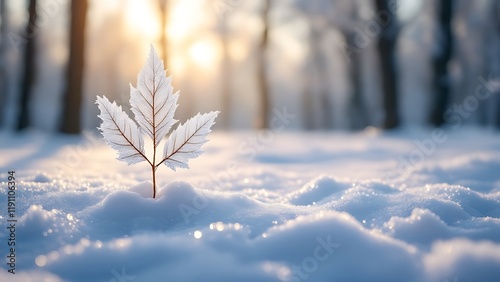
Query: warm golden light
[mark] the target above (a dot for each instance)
(184, 20)
(237, 50)
(205, 53)
(177, 65)
(142, 18)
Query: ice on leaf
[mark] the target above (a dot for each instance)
(185, 142)
(120, 132)
(153, 103)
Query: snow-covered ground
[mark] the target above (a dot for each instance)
(370, 206)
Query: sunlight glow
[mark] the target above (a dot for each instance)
(205, 53)
(177, 65)
(142, 18)
(185, 17)
(177, 29)
(237, 50)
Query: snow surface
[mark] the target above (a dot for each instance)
(260, 206)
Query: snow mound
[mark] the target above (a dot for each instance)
(145, 189)
(464, 260)
(316, 190)
(29, 276)
(41, 178)
(338, 214)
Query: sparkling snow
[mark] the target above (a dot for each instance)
(366, 206)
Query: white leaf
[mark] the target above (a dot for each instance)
(120, 132)
(153, 104)
(185, 142)
(153, 101)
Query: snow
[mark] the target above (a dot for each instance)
(259, 206)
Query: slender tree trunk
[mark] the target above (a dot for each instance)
(325, 97)
(263, 70)
(311, 76)
(497, 26)
(164, 19)
(29, 69)
(225, 78)
(3, 59)
(73, 94)
(307, 105)
(497, 111)
(317, 102)
(440, 63)
(358, 116)
(386, 48)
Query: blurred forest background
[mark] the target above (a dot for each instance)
(334, 64)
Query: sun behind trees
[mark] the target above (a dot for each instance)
(337, 64)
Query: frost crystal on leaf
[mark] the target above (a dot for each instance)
(153, 104)
(121, 132)
(185, 142)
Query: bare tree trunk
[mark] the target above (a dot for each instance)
(29, 69)
(317, 102)
(497, 110)
(73, 94)
(497, 118)
(3, 59)
(225, 79)
(386, 48)
(164, 19)
(496, 99)
(497, 29)
(440, 62)
(357, 113)
(325, 98)
(263, 77)
(307, 103)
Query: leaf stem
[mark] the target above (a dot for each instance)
(153, 170)
(153, 166)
